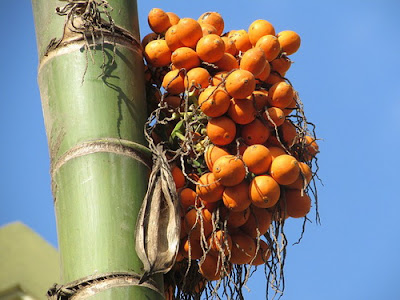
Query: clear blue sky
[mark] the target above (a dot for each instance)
(347, 74)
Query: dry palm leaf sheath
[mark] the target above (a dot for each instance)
(229, 127)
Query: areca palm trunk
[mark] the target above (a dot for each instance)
(94, 110)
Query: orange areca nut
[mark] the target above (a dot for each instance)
(220, 241)
(212, 153)
(242, 111)
(173, 18)
(298, 203)
(263, 254)
(173, 82)
(214, 19)
(289, 40)
(288, 133)
(276, 151)
(304, 178)
(208, 29)
(264, 191)
(285, 169)
(258, 29)
(240, 84)
(270, 45)
(189, 32)
(198, 222)
(264, 74)
(172, 39)
(191, 248)
(274, 78)
(219, 77)
(214, 101)
(185, 57)
(178, 177)
(227, 63)
(243, 248)
(260, 99)
(210, 267)
(173, 101)
(236, 198)
(158, 20)
(157, 53)
(197, 78)
(281, 95)
(230, 46)
(209, 188)
(229, 170)
(312, 147)
(235, 219)
(221, 130)
(187, 198)
(210, 48)
(258, 223)
(257, 159)
(254, 61)
(241, 40)
(281, 65)
(255, 132)
(274, 116)
(148, 38)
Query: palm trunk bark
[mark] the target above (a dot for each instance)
(92, 114)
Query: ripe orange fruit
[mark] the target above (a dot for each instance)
(148, 38)
(281, 95)
(209, 188)
(288, 133)
(185, 57)
(258, 29)
(191, 248)
(285, 169)
(240, 84)
(189, 32)
(221, 130)
(263, 254)
(158, 20)
(219, 77)
(287, 110)
(173, 82)
(197, 78)
(229, 170)
(254, 61)
(273, 78)
(243, 248)
(212, 153)
(255, 132)
(214, 102)
(242, 111)
(187, 198)
(210, 48)
(263, 76)
(264, 191)
(173, 101)
(178, 177)
(276, 151)
(304, 178)
(289, 41)
(210, 267)
(172, 39)
(198, 221)
(214, 19)
(257, 159)
(220, 241)
(270, 45)
(157, 53)
(281, 65)
(312, 147)
(274, 116)
(236, 198)
(297, 205)
(173, 18)
(241, 40)
(208, 29)
(258, 223)
(227, 63)
(230, 46)
(260, 99)
(235, 219)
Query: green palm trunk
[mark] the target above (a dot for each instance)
(98, 187)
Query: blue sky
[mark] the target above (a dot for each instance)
(347, 74)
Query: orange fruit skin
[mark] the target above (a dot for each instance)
(148, 38)
(240, 84)
(285, 169)
(273, 78)
(276, 115)
(187, 198)
(173, 18)
(270, 45)
(255, 133)
(258, 223)
(264, 73)
(241, 40)
(219, 77)
(230, 46)
(195, 222)
(212, 153)
(304, 178)
(229, 170)
(210, 48)
(220, 241)
(158, 20)
(243, 248)
(172, 39)
(157, 53)
(289, 40)
(214, 19)
(276, 151)
(227, 63)
(297, 206)
(288, 133)
(185, 57)
(209, 188)
(281, 65)
(253, 60)
(257, 159)
(189, 32)
(235, 219)
(236, 198)
(191, 248)
(264, 191)
(260, 99)
(208, 29)
(214, 102)
(258, 29)
(281, 95)
(312, 147)
(197, 78)
(173, 101)
(210, 268)
(173, 82)
(221, 130)
(263, 254)
(178, 177)
(242, 111)
(287, 110)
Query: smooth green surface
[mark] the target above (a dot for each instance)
(97, 196)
